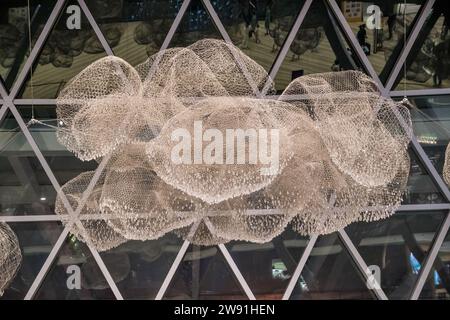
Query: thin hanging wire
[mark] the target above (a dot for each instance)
(33, 120)
(405, 100)
(405, 96)
(404, 46)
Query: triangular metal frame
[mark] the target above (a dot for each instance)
(9, 101)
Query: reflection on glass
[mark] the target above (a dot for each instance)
(143, 25)
(397, 245)
(203, 274)
(69, 48)
(319, 46)
(14, 34)
(437, 285)
(428, 62)
(25, 187)
(431, 125)
(36, 240)
(259, 28)
(76, 259)
(421, 188)
(196, 24)
(379, 28)
(149, 263)
(268, 267)
(330, 273)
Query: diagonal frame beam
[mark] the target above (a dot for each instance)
(20, 81)
(3, 110)
(301, 265)
(229, 259)
(287, 44)
(95, 27)
(169, 36)
(223, 32)
(72, 214)
(409, 43)
(9, 104)
(48, 263)
(431, 257)
(101, 264)
(414, 143)
(348, 33)
(176, 262)
(237, 273)
(172, 270)
(361, 264)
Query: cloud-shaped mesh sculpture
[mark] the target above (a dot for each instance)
(101, 235)
(222, 115)
(329, 151)
(358, 127)
(10, 256)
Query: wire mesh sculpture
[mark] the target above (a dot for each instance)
(10, 256)
(97, 231)
(341, 148)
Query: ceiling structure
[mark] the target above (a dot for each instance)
(10, 100)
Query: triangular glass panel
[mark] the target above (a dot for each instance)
(204, 274)
(421, 189)
(140, 27)
(437, 285)
(14, 34)
(259, 28)
(64, 164)
(319, 46)
(427, 65)
(431, 127)
(71, 46)
(397, 246)
(379, 29)
(268, 267)
(27, 188)
(330, 273)
(75, 275)
(36, 240)
(148, 263)
(195, 25)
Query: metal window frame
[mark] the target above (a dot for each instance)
(9, 101)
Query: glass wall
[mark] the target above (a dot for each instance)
(56, 39)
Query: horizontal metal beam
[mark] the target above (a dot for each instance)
(423, 207)
(408, 208)
(48, 263)
(422, 92)
(39, 44)
(35, 218)
(35, 102)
